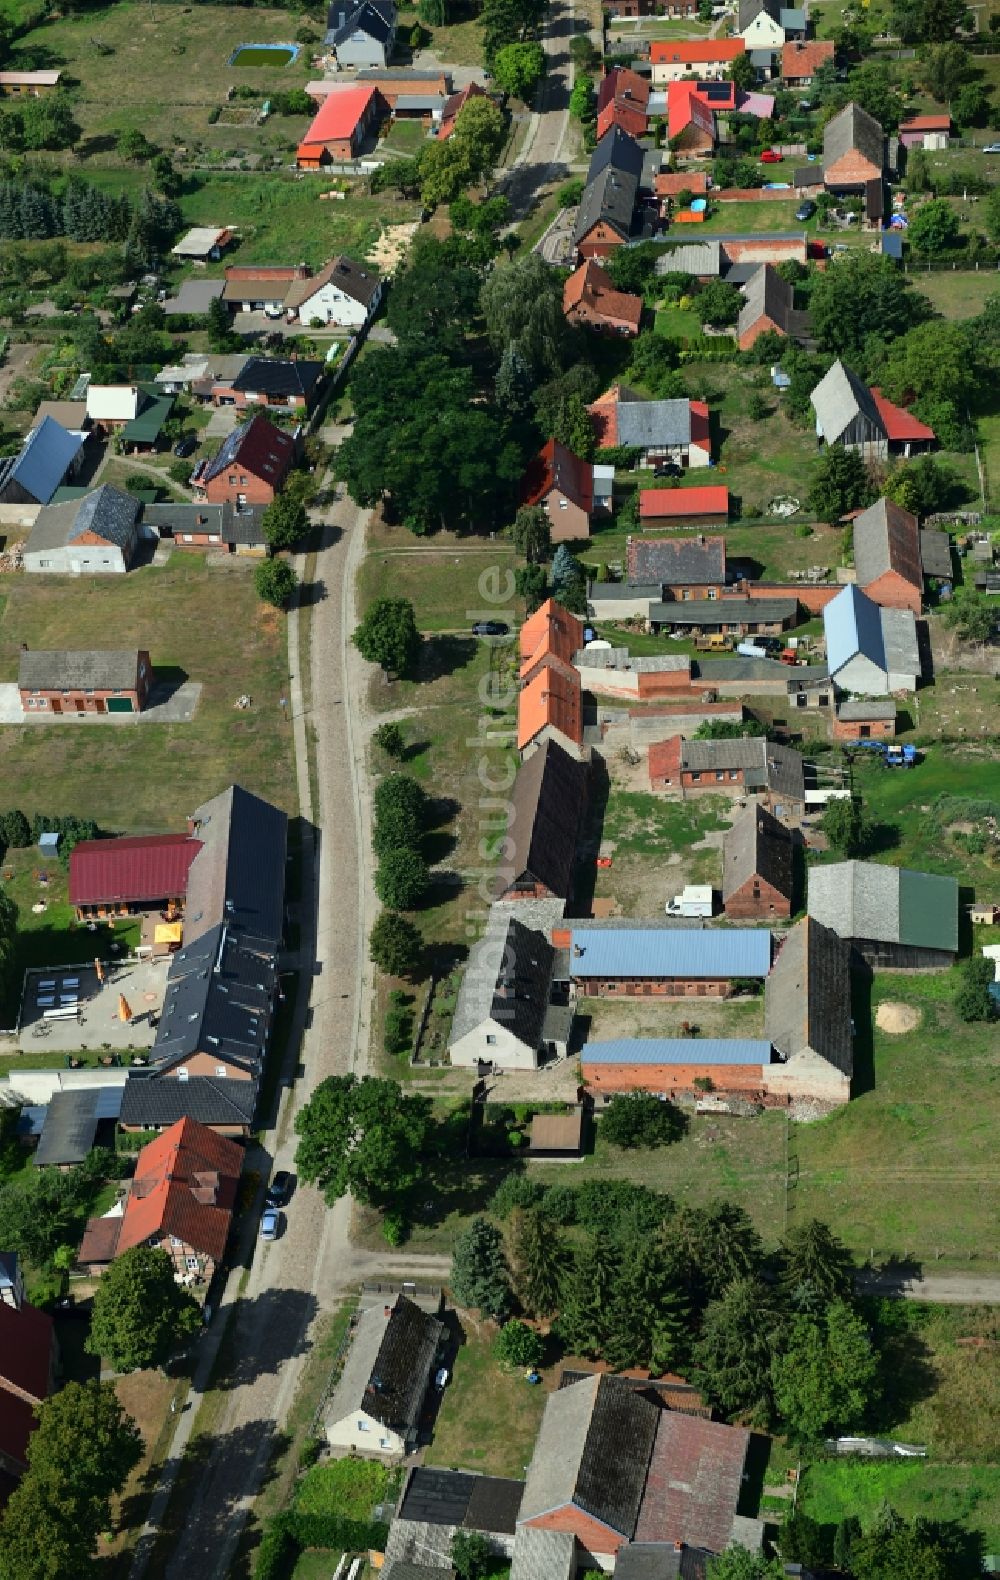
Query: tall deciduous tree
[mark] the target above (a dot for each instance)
(434, 301)
(480, 1276)
(400, 805)
(638, 1119)
(363, 1136)
(79, 1457)
(738, 1563)
(275, 582)
(840, 483)
(933, 227)
(141, 1313)
(524, 304)
(531, 534)
(284, 522)
(401, 878)
(395, 945)
(827, 1374)
(388, 635)
(519, 68)
(864, 295)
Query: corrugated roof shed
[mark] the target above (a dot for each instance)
(135, 870)
(543, 1555)
(668, 952)
(695, 257)
(935, 554)
(723, 611)
(71, 1123)
(677, 1050)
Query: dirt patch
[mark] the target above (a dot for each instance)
(896, 1018)
(393, 245)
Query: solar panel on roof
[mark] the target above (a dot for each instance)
(714, 91)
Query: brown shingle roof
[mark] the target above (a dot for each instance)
(546, 809)
(694, 1482)
(757, 845)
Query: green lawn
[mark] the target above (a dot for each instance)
(745, 219)
(677, 323)
(956, 294)
(460, 43)
(967, 1494)
(488, 1418)
(946, 776)
(348, 1487)
(201, 622)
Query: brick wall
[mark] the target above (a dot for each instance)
(670, 1079)
(756, 898)
(644, 987)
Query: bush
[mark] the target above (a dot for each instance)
(640, 1120)
(517, 1346)
(516, 1190)
(391, 740)
(973, 1000)
(395, 1228)
(570, 193)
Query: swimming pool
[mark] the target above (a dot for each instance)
(263, 55)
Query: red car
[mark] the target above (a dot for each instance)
(769, 157)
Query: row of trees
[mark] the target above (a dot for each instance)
(32, 211)
(645, 1283)
(401, 811)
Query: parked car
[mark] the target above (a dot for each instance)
(668, 469)
(441, 1377)
(770, 156)
(490, 628)
(806, 209)
(270, 1223)
(992, 148)
(279, 1190)
(186, 446)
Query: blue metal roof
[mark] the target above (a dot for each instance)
(677, 1050)
(671, 952)
(46, 456)
(852, 624)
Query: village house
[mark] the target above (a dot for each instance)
(864, 719)
(732, 616)
(27, 1371)
(698, 508)
(932, 132)
(802, 58)
(682, 568)
(648, 959)
(757, 866)
(590, 301)
(99, 533)
(550, 637)
(660, 430)
(622, 100)
(222, 986)
(547, 807)
(645, 678)
(181, 1200)
(563, 485)
(344, 294)
(505, 1016)
(347, 118)
(887, 556)
(750, 766)
(28, 84)
(49, 456)
(870, 652)
(895, 919)
(376, 1405)
(286, 384)
(135, 412)
(239, 529)
(84, 681)
(670, 1066)
(807, 1015)
(768, 308)
(262, 288)
(863, 419)
(707, 59)
(361, 35)
(758, 24)
(607, 207)
(853, 150)
(249, 468)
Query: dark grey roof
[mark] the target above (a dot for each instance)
(807, 997)
(78, 670)
(661, 1561)
(395, 1390)
(675, 562)
(238, 876)
(757, 845)
(749, 9)
(377, 20)
(109, 512)
(403, 1569)
(218, 999)
(767, 295)
(390, 74)
(866, 900)
(546, 809)
(766, 765)
(507, 979)
(723, 611)
(42, 461)
(541, 1554)
(886, 538)
(935, 553)
(649, 424)
(71, 1121)
(273, 376)
(861, 710)
(593, 1450)
(612, 184)
(149, 1100)
(693, 257)
(853, 128)
(455, 1498)
(236, 526)
(839, 397)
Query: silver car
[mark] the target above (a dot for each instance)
(270, 1223)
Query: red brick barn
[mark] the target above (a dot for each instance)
(84, 681)
(757, 866)
(345, 119)
(887, 558)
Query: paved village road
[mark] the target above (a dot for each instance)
(938, 1289)
(540, 160)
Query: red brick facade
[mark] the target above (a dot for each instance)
(757, 898)
(864, 730)
(646, 987)
(670, 1079)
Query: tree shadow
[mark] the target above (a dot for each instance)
(437, 845)
(443, 886)
(443, 655)
(882, 837)
(588, 849)
(265, 1333)
(908, 1375)
(312, 593)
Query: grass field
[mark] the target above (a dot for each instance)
(956, 294)
(926, 841)
(489, 1418)
(739, 219)
(967, 1494)
(205, 621)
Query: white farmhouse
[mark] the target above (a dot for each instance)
(503, 1016)
(376, 1406)
(344, 294)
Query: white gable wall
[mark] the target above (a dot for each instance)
(361, 1431)
(861, 677)
(334, 306)
(493, 1043)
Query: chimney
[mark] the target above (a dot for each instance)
(386, 1311)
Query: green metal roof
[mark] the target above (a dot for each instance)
(928, 910)
(146, 425)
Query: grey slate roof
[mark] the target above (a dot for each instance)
(767, 295)
(661, 1561)
(43, 460)
(612, 185)
(650, 424)
(543, 1555)
(593, 1450)
(749, 9)
(507, 979)
(78, 670)
(723, 611)
(865, 900)
(457, 1498)
(238, 876)
(218, 999)
(278, 377)
(71, 1121)
(546, 809)
(236, 526)
(886, 537)
(853, 128)
(838, 399)
(675, 562)
(149, 1101)
(370, 17)
(935, 553)
(693, 257)
(109, 512)
(807, 997)
(766, 764)
(757, 845)
(866, 710)
(388, 1366)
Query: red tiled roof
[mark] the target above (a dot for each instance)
(700, 428)
(899, 424)
(185, 1185)
(339, 115)
(593, 288)
(259, 447)
(660, 502)
(550, 632)
(694, 1482)
(454, 105)
(132, 871)
(695, 52)
(803, 58)
(556, 467)
(622, 83)
(665, 758)
(25, 1350)
(670, 182)
(684, 106)
(550, 698)
(926, 123)
(100, 1241)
